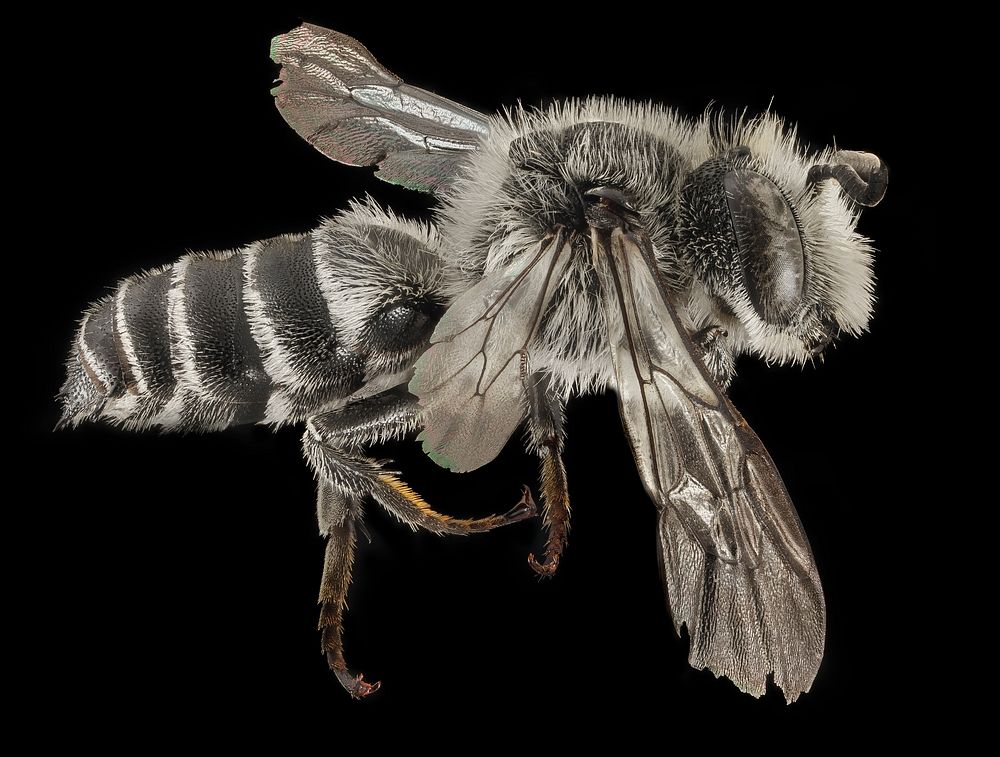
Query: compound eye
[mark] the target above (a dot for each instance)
(770, 244)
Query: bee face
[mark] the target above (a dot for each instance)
(775, 255)
(741, 236)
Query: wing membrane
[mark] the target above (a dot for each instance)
(737, 566)
(470, 382)
(343, 102)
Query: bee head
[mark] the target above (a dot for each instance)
(768, 236)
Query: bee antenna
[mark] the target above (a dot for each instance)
(862, 176)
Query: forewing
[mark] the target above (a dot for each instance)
(344, 103)
(738, 569)
(470, 381)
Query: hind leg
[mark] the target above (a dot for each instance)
(338, 524)
(332, 444)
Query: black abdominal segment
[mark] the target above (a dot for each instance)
(143, 314)
(300, 326)
(226, 359)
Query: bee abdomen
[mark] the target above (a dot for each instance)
(170, 348)
(274, 332)
(214, 340)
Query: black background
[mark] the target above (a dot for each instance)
(169, 582)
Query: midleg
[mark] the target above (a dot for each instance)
(546, 439)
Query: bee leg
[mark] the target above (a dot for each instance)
(546, 440)
(332, 441)
(717, 354)
(338, 522)
(331, 444)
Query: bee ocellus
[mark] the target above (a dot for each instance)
(594, 245)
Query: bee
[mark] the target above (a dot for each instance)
(590, 246)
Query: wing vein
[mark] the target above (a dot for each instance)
(737, 566)
(470, 414)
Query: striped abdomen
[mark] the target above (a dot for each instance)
(274, 332)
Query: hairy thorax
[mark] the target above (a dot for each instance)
(530, 179)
